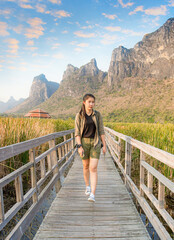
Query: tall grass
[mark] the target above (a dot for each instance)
(15, 130)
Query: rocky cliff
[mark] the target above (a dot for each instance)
(153, 57)
(41, 89)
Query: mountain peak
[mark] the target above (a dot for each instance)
(89, 68)
(69, 70)
(39, 78)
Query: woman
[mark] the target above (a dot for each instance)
(89, 132)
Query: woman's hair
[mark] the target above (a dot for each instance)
(85, 97)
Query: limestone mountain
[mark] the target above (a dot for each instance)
(153, 57)
(75, 81)
(11, 103)
(41, 90)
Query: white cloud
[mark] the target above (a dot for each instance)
(41, 8)
(87, 27)
(109, 39)
(3, 29)
(58, 56)
(132, 33)
(30, 43)
(6, 12)
(83, 45)
(36, 29)
(137, 9)
(18, 29)
(13, 45)
(129, 4)
(112, 17)
(55, 1)
(28, 6)
(155, 11)
(78, 49)
(65, 32)
(59, 14)
(55, 45)
(84, 35)
(171, 3)
(113, 29)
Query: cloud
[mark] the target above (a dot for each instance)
(36, 29)
(171, 3)
(87, 27)
(83, 45)
(113, 29)
(22, 5)
(55, 45)
(30, 43)
(155, 11)
(60, 13)
(13, 45)
(109, 39)
(78, 49)
(84, 35)
(3, 29)
(41, 8)
(18, 29)
(55, 1)
(137, 9)
(129, 4)
(31, 48)
(162, 10)
(65, 32)
(112, 17)
(6, 12)
(132, 33)
(58, 56)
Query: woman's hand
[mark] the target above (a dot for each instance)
(81, 151)
(104, 149)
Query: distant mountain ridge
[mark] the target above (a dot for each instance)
(11, 103)
(41, 90)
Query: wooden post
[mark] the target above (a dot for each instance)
(72, 142)
(128, 153)
(33, 174)
(150, 182)
(161, 194)
(49, 162)
(59, 153)
(19, 189)
(66, 149)
(55, 162)
(42, 167)
(1, 206)
(119, 149)
(142, 158)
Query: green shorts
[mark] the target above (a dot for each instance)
(89, 150)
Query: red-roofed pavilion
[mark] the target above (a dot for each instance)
(37, 113)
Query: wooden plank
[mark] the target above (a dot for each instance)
(113, 215)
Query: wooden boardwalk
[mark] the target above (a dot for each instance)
(112, 216)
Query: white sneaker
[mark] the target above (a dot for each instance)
(88, 190)
(91, 198)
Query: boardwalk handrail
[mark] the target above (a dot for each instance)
(164, 157)
(54, 157)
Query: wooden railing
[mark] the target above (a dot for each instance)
(113, 140)
(48, 162)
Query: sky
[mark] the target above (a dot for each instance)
(44, 36)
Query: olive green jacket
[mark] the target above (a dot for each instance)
(97, 118)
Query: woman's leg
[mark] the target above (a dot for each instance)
(86, 171)
(93, 173)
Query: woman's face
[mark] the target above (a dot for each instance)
(89, 103)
